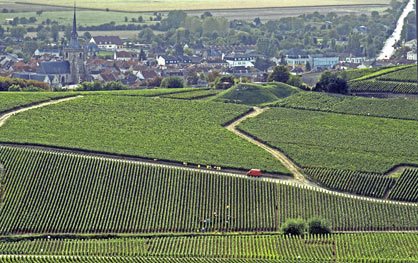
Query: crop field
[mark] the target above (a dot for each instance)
(397, 108)
(400, 79)
(342, 248)
(48, 192)
(368, 184)
(12, 100)
(175, 130)
(329, 140)
(405, 189)
(142, 5)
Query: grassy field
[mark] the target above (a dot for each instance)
(155, 128)
(47, 192)
(142, 5)
(330, 140)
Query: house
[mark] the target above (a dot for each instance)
(107, 42)
(411, 55)
(47, 52)
(48, 79)
(321, 61)
(240, 60)
(412, 44)
(165, 60)
(123, 55)
(295, 57)
(355, 59)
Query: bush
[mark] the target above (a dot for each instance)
(173, 82)
(294, 227)
(318, 226)
(97, 86)
(224, 82)
(14, 88)
(279, 74)
(332, 82)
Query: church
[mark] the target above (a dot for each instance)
(72, 69)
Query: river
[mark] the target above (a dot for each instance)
(388, 49)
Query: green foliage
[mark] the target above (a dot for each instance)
(57, 186)
(184, 131)
(332, 82)
(98, 86)
(329, 140)
(397, 108)
(280, 74)
(252, 94)
(368, 184)
(382, 72)
(404, 75)
(383, 86)
(318, 226)
(193, 95)
(173, 82)
(6, 83)
(406, 187)
(294, 227)
(12, 100)
(224, 82)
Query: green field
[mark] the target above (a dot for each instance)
(47, 192)
(175, 130)
(252, 94)
(340, 248)
(400, 79)
(329, 140)
(398, 108)
(13, 100)
(141, 5)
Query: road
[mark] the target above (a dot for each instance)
(388, 49)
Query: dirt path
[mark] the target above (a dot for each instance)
(299, 178)
(5, 117)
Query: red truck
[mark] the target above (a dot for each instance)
(254, 172)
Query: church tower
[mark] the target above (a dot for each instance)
(75, 54)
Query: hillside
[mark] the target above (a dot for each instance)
(252, 94)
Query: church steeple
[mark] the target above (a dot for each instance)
(74, 33)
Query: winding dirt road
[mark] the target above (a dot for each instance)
(5, 117)
(299, 178)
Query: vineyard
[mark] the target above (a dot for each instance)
(340, 248)
(329, 140)
(193, 95)
(406, 188)
(368, 184)
(174, 130)
(383, 86)
(397, 108)
(13, 100)
(47, 192)
(401, 79)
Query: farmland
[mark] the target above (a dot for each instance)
(397, 108)
(274, 247)
(167, 129)
(49, 192)
(140, 5)
(401, 79)
(319, 139)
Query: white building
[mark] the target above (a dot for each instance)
(411, 55)
(107, 42)
(240, 60)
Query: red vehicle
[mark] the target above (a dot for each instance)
(254, 172)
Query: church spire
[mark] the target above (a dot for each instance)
(74, 33)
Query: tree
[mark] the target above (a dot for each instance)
(87, 36)
(318, 226)
(213, 76)
(1, 31)
(257, 21)
(206, 14)
(32, 19)
(18, 32)
(39, 12)
(42, 34)
(280, 74)
(126, 19)
(332, 82)
(55, 29)
(154, 82)
(192, 78)
(308, 66)
(224, 82)
(173, 82)
(146, 35)
(29, 47)
(263, 64)
(140, 19)
(294, 227)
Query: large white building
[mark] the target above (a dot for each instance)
(108, 42)
(240, 60)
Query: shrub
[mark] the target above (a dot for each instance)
(317, 225)
(280, 74)
(14, 88)
(224, 82)
(294, 227)
(173, 82)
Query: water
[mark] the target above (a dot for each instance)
(388, 49)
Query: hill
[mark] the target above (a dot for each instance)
(252, 94)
